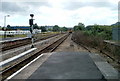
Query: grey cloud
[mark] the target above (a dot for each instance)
(76, 5)
(21, 7)
(12, 7)
(36, 4)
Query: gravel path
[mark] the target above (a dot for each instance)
(69, 46)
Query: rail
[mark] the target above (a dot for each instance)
(8, 61)
(18, 66)
(10, 44)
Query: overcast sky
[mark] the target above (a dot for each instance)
(59, 12)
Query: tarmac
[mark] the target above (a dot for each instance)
(71, 65)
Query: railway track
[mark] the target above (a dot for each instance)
(18, 43)
(12, 69)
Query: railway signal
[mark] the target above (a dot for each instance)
(31, 29)
(31, 22)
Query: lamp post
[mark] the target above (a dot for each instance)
(5, 25)
(31, 29)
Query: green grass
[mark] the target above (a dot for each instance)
(20, 35)
(13, 36)
(1, 36)
(40, 34)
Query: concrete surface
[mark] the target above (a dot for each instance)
(27, 72)
(107, 70)
(68, 65)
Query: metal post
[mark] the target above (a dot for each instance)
(32, 38)
(4, 21)
(31, 25)
(5, 26)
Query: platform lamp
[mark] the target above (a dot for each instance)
(5, 24)
(31, 29)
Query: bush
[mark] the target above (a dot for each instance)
(97, 42)
(102, 31)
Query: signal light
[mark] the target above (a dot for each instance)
(30, 22)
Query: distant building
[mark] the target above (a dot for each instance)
(20, 28)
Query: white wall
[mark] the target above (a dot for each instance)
(14, 32)
(18, 32)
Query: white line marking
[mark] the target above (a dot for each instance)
(23, 47)
(16, 57)
(23, 68)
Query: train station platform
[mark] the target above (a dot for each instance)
(68, 66)
(12, 39)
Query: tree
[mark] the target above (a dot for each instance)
(49, 29)
(3, 28)
(8, 27)
(35, 26)
(43, 29)
(103, 31)
(80, 26)
(56, 28)
(64, 29)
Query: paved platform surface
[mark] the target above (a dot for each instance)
(11, 39)
(68, 65)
